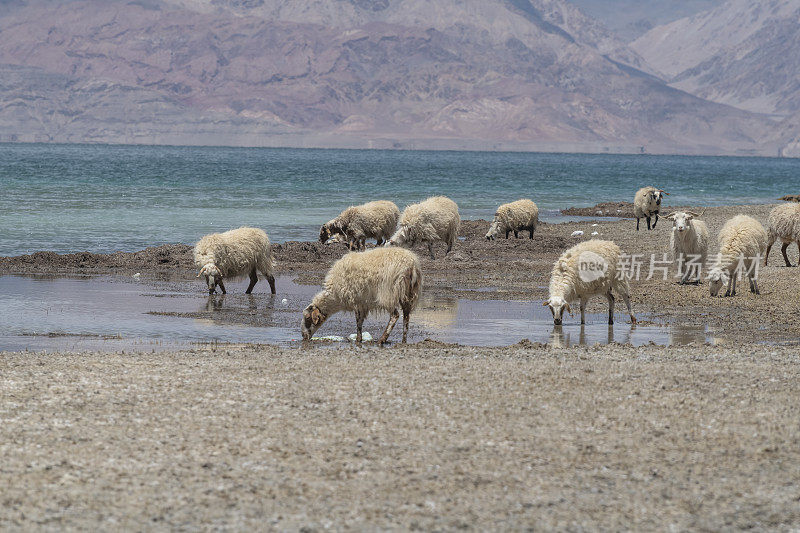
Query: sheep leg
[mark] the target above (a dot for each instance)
(390, 326)
(627, 299)
(648, 223)
(731, 286)
(508, 232)
(406, 318)
(359, 325)
(516, 234)
(430, 250)
(531, 229)
(610, 307)
(785, 257)
(637, 223)
(655, 222)
(769, 247)
(253, 281)
(449, 247)
(271, 281)
(754, 286)
(222, 286)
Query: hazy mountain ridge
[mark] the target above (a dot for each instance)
(380, 73)
(629, 19)
(741, 53)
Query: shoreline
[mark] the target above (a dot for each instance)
(514, 269)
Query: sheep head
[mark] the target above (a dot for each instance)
(213, 276)
(681, 220)
(717, 278)
(324, 233)
(401, 237)
(313, 318)
(494, 229)
(557, 305)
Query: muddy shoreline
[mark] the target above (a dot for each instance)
(513, 269)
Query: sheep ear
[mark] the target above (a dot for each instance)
(662, 191)
(671, 215)
(569, 309)
(562, 265)
(316, 316)
(545, 303)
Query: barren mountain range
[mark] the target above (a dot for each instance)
(483, 74)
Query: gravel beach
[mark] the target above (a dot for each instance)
(427, 436)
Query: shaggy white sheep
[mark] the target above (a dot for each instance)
(689, 243)
(435, 219)
(646, 204)
(587, 269)
(783, 223)
(381, 279)
(514, 216)
(233, 254)
(742, 241)
(373, 220)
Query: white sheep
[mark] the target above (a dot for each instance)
(373, 220)
(783, 223)
(435, 219)
(689, 243)
(381, 279)
(646, 204)
(514, 216)
(233, 254)
(742, 241)
(587, 269)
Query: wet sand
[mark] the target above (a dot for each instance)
(425, 436)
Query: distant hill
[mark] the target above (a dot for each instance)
(486, 74)
(742, 53)
(629, 19)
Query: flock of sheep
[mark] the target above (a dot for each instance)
(389, 277)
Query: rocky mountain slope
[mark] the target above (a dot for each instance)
(629, 19)
(523, 74)
(742, 53)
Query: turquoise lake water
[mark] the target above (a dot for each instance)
(102, 198)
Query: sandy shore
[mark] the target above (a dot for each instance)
(422, 437)
(427, 436)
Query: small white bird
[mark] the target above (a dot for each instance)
(365, 336)
(576, 233)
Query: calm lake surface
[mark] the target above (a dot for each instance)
(100, 198)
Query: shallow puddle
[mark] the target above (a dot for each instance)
(43, 313)
(501, 323)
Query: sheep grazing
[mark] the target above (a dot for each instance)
(515, 216)
(233, 254)
(646, 204)
(783, 223)
(689, 243)
(382, 279)
(435, 219)
(373, 220)
(587, 269)
(742, 241)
